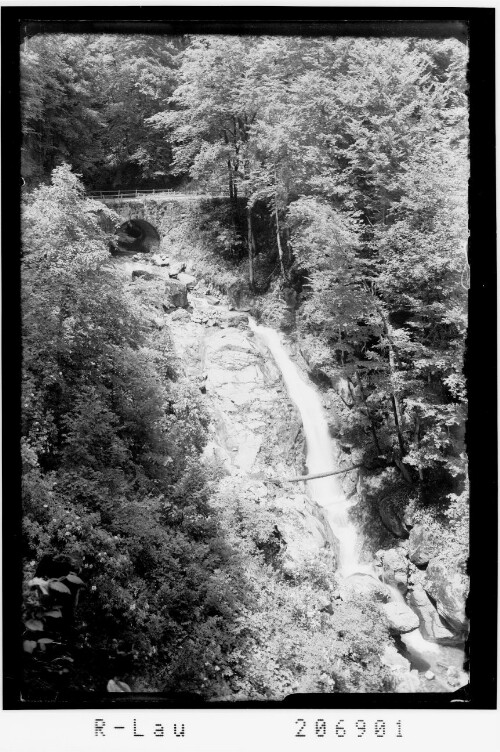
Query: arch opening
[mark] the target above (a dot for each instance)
(135, 236)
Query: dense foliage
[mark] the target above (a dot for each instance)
(359, 150)
(139, 565)
(85, 99)
(345, 162)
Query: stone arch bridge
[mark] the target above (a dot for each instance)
(150, 217)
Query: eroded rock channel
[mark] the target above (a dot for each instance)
(256, 434)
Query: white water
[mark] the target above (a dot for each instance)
(327, 492)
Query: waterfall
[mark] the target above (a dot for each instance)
(328, 494)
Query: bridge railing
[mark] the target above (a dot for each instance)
(135, 193)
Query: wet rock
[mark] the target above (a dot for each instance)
(423, 544)
(187, 279)
(394, 564)
(447, 585)
(177, 268)
(400, 617)
(175, 295)
(431, 626)
(391, 517)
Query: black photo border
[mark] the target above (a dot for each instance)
(475, 24)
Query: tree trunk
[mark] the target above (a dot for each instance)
(230, 178)
(322, 475)
(393, 357)
(395, 412)
(368, 413)
(278, 239)
(251, 247)
(394, 400)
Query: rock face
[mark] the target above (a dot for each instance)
(423, 544)
(251, 429)
(394, 565)
(175, 295)
(391, 517)
(400, 617)
(431, 626)
(240, 297)
(448, 588)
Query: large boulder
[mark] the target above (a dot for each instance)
(177, 268)
(175, 295)
(423, 544)
(431, 625)
(447, 584)
(240, 297)
(306, 532)
(400, 617)
(187, 279)
(394, 565)
(180, 314)
(368, 586)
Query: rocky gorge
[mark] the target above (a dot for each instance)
(256, 439)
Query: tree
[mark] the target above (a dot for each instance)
(85, 99)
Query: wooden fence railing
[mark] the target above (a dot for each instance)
(117, 194)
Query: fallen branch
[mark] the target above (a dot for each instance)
(314, 475)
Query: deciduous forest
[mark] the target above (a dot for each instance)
(319, 186)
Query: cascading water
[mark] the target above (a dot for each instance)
(328, 494)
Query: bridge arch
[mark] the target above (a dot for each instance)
(135, 236)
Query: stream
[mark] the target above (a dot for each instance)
(327, 493)
(243, 365)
